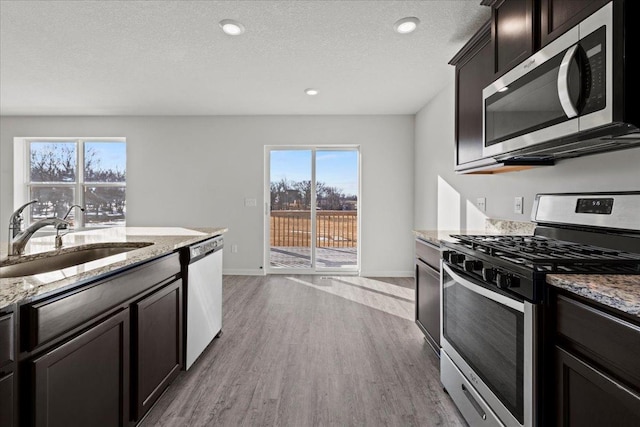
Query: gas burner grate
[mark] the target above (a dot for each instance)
(550, 255)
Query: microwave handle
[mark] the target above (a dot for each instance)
(563, 83)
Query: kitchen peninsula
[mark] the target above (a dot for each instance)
(98, 341)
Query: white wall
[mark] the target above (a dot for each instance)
(206, 166)
(445, 200)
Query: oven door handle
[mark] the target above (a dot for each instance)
(494, 296)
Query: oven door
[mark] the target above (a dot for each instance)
(562, 90)
(490, 338)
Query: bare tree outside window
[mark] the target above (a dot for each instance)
(57, 181)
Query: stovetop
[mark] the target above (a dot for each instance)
(543, 254)
(517, 265)
(579, 233)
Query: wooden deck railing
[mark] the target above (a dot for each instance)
(334, 229)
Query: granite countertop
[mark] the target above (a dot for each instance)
(437, 236)
(164, 240)
(619, 291)
(492, 227)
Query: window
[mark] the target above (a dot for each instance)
(87, 172)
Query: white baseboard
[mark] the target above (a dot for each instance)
(243, 272)
(374, 273)
(259, 272)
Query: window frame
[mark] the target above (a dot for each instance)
(22, 174)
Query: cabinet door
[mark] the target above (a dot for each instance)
(158, 352)
(85, 381)
(557, 16)
(473, 73)
(587, 397)
(512, 33)
(7, 400)
(7, 340)
(428, 303)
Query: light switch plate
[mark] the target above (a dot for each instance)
(481, 203)
(518, 203)
(250, 203)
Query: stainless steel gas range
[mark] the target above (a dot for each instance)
(492, 293)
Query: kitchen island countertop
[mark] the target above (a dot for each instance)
(165, 240)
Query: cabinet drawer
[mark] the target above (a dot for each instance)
(428, 253)
(48, 319)
(609, 341)
(7, 353)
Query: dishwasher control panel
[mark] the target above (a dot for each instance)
(207, 246)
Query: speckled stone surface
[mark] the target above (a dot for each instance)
(435, 236)
(493, 226)
(509, 227)
(621, 292)
(164, 241)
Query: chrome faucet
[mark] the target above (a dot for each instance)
(18, 239)
(70, 208)
(58, 235)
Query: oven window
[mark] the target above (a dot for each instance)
(489, 336)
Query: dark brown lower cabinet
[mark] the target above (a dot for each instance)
(85, 381)
(7, 400)
(597, 370)
(428, 316)
(158, 351)
(587, 397)
(428, 292)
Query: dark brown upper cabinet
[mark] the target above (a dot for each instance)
(557, 16)
(473, 74)
(512, 33)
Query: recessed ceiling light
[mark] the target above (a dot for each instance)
(406, 25)
(311, 92)
(231, 27)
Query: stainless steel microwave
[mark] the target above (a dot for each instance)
(569, 98)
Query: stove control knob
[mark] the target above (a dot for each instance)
(472, 266)
(506, 280)
(446, 255)
(501, 280)
(488, 274)
(456, 258)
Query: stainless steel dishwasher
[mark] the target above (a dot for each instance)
(202, 272)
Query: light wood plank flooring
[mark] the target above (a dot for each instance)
(312, 351)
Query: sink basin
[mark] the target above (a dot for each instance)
(67, 259)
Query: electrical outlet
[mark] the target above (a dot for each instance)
(481, 203)
(518, 203)
(234, 249)
(250, 203)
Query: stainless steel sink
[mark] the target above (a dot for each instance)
(8, 267)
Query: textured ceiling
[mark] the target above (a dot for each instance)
(170, 57)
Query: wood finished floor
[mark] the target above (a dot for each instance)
(312, 351)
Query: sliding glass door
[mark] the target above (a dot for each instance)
(313, 220)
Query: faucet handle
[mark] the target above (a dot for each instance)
(18, 212)
(16, 217)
